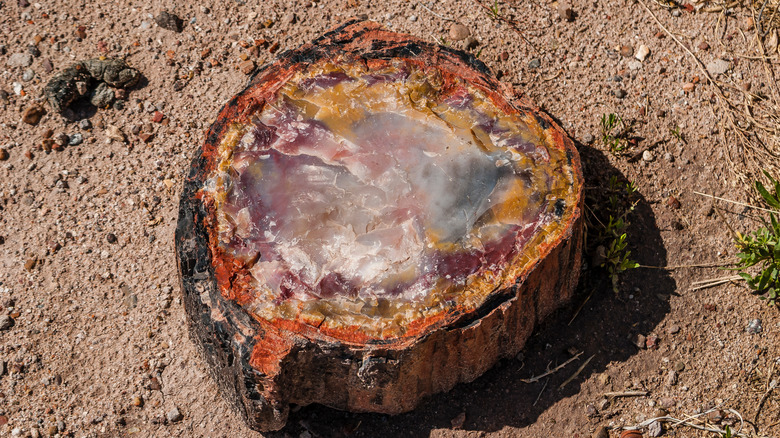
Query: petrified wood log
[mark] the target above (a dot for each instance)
(373, 220)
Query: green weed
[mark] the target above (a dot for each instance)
(761, 248)
(614, 132)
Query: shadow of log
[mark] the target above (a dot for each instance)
(602, 329)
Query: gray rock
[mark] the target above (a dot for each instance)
(77, 79)
(75, 139)
(85, 124)
(20, 60)
(655, 429)
(6, 322)
(718, 66)
(169, 21)
(648, 156)
(620, 93)
(28, 75)
(102, 96)
(174, 416)
(535, 63)
(754, 326)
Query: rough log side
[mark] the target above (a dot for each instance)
(385, 377)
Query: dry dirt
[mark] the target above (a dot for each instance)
(99, 345)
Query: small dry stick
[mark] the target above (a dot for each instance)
(734, 202)
(705, 284)
(576, 373)
(704, 265)
(626, 394)
(558, 368)
(540, 392)
(769, 390)
(435, 14)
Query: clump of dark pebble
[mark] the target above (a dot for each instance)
(169, 21)
(93, 78)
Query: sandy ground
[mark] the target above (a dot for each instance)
(99, 344)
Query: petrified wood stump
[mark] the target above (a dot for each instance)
(373, 220)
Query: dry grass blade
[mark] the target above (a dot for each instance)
(559, 367)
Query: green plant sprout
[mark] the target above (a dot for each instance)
(677, 134)
(494, 10)
(613, 236)
(762, 248)
(616, 140)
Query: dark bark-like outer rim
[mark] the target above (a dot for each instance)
(377, 376)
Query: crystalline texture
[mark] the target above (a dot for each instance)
(354, 187)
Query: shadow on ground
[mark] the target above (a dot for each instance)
(603, 329)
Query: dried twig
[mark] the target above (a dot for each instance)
(435, 14)
(576, 373)
(510, 24)
(558, 368)
(712, 282)
(734, 202)
(626, 394)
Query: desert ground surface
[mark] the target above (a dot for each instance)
(94, 339)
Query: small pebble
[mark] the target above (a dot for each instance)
(754, 326)
(535, 63)
(679, 366)
(247, 67)
(47, 66)
(28, 75)
(565, 11)
(174, 416)
(20, 60)
(3, 154)
(673, 202)
(85, 124)
(459, 32)
(648, 156)
(639, 340)
(600, 432)
(704, 46)
(620, 93)
(75, 139)
(169, 21)
(718, 66)
(626, 51)
(642, 53)
(6, 322)
(412, 18)
(588, 138)
(689, 87)
(32, 115)
(669, 157)
(655, 429)
(111, 238)
(116, 134)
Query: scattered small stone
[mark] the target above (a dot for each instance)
(169, 21)
(28, 75)
(75, 139)
(673, 329)
(289, 18)
(588, 138)
(651, 342)
(6, 322)
(80, 32)
(566, 12)
(412, 18)
(114, 133)
(688, 87)
(639, 340)
(459, 32)
(154, 384)
(634, 65)
(3, 154)
(247, 67)
(61, 139)
(754, 326)
(591, 411)
(20, 60)
(138, 401)
(174, 416)
(600, 432)
(47, 145)
(666, 403)
(146, 137)
(458, 421)
(33, 50)
(715, 416)
(718, 66)
(655, 429)
(535, 63)
(648, 156)
(102, 96)
(671, 378)
(471, 43)
(679, 366)
(669, 157)
(642, 53)
(47, 66)
(52, 430)
(111, 238)
(704, 46)
(504, 55)
(620, 93)
(158, 117)
(32, 115)
(626, 51)
(85, 124)
(673, 202)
